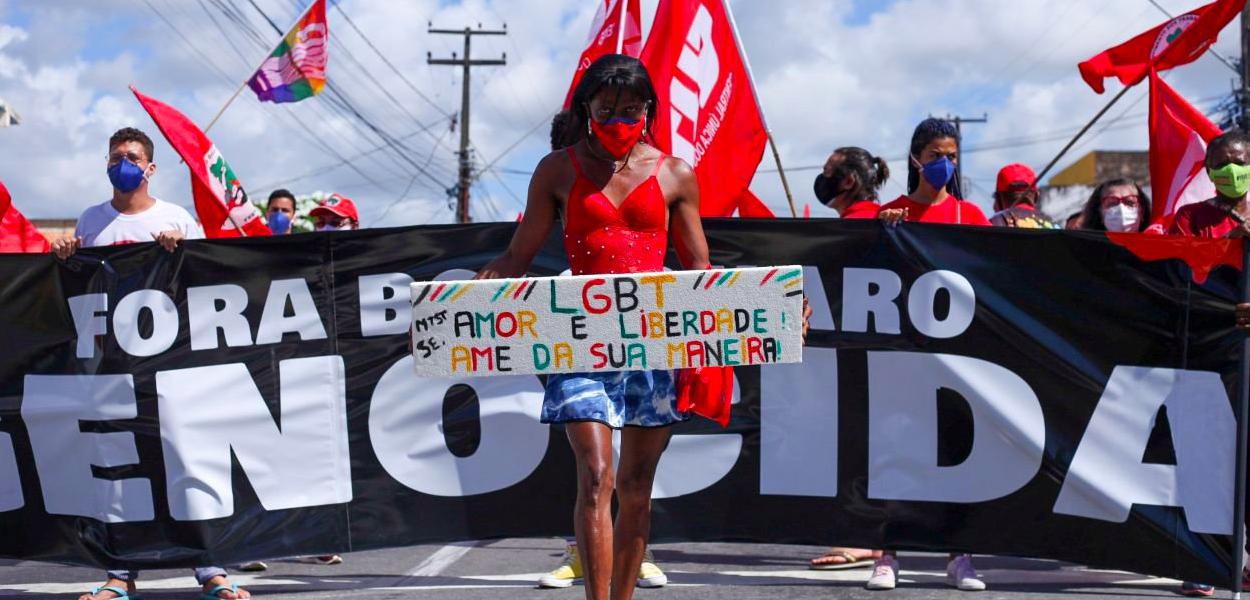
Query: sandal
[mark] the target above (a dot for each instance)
(850, 561)
(212, 594)
(122, 594)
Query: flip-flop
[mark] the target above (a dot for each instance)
(212, 594)
(121, 592)
(851, 562)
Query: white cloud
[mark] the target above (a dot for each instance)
(65, 65)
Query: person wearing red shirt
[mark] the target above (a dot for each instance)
(932, 187)
(849, 182)
(932, 197)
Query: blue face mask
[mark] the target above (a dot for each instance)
(126, 176)
(938, 172)
(279, 223)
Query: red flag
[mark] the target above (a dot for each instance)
(220, 202)
(617, 29)
(708, 115)
(751, 207)
(16, 233)
(1179, 134)
(1177, 42)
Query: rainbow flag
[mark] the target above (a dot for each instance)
(297, 67)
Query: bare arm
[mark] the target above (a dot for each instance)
(531, 234)
(685, 225)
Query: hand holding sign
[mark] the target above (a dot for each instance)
(674, 320)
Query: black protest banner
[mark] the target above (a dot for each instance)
(995, 391)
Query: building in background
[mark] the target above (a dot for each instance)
(54, 229)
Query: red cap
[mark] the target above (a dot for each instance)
(1015, 176)
(336, 204)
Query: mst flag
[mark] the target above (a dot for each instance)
(1177, 42)
(1179, 134)
(708, 115)
(220, 202)
(617, 29)
(297, 67)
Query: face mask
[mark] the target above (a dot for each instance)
(617, 135)
(1120, 218)
(344, 226)
(938, 172)
(279, 223)
(126, 176)
(1231, 180)
(826, 188)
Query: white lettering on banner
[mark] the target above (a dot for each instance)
(10, 483)
(90, 320)
(693, 463)
(206, 319)
(923, 294)
(405, 428)
(164, 323)
(866, 291)
(1009, 432)
(384, 304)
(209, 412)
(699, 62)
(304, 320)
(52, 408)
(799, 426)
(1107, 477)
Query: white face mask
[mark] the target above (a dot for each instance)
(344, 226)
(1120, 218)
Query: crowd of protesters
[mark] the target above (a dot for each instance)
(596, 148)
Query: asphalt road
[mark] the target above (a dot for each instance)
(508, 569)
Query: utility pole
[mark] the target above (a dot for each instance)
(466, 162)
(959, 163)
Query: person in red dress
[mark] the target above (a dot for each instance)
(932, 198)
(932, 188)
(849, 182)
(619, 200)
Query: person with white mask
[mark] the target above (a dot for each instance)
(335, 213)
(1118, 206)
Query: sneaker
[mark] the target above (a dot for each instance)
(649, 574)
(253, 566)
(1190, 588)
(960, 574)
(884, 574)
(563, 576)
(330, 559)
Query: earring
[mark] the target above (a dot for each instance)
(589, 131)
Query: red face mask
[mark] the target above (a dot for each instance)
(617, 135)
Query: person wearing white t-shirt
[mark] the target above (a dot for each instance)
(134, 216)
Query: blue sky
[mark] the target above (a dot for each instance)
(856, 72)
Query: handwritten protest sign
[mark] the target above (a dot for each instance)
(667, 320)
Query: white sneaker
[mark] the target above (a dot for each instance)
(649, 573)
(884, 574)
(960, 574)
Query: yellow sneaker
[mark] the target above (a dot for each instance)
(649, 573)
(563, 576)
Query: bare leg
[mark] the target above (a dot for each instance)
(592, 515)
(640, 453)
(129, 586)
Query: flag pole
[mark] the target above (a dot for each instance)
(258, 66)
(742, 53)
(1080, 133)
(620, 27)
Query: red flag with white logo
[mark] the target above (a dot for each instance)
(617, 29)
(708, 115)
(220, 202)
(1177, 42)
(1179, 134)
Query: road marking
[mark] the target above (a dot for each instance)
(170, 583)
(442, 558)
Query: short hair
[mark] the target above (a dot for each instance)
(1229, 138)
(130, 134)
(281, 193)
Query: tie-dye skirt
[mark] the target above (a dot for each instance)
(616, 399)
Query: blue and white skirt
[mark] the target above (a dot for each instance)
(616, 399)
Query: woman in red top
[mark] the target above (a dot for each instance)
(850, 181)
(619, 200)
(932, 185)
